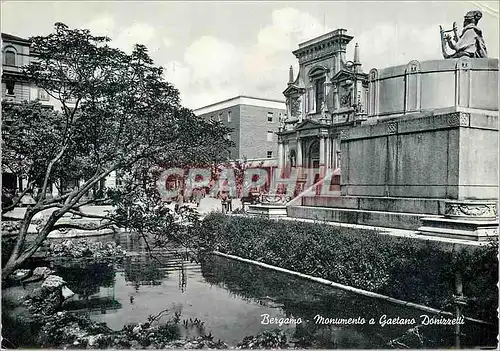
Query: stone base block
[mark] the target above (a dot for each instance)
(269, 211)
(373, 203)
(410, 221)
(478, 230)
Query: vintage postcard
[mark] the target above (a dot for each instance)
(249, 175)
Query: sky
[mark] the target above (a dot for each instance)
(213, 51)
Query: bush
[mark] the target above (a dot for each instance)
(408, 269)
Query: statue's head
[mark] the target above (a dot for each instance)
(472, 17)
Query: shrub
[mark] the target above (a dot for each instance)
(404, 268)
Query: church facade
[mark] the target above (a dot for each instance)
(329, 94)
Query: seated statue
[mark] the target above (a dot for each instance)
(470, 43)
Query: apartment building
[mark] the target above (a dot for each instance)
(255, 122)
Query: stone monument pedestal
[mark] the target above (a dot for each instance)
(272, 206)
(467, 219)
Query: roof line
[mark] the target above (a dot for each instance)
(238, 97)
(11, 37)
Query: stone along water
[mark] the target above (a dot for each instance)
(235, 299)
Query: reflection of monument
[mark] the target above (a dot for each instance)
(419, 142)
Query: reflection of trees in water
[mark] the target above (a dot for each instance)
(85, 278)
(182, 277)
(304, 299)
(143, 270)
(297, 298)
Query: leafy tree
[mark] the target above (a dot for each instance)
(118, 114)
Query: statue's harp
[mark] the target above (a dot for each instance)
(443, 39)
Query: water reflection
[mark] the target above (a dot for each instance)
(300, 298)
(143, 270)
(227, 298)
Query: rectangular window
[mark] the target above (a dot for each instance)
(320, 93)
(9, 86)
(269, 116)
(42, 95)
(270, 135)
(229, 116)
(269, 154)
(220, 117)
(10, 58)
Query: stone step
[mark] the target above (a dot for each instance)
(410, 221)
(458, 224)
(373, 203)
(477, 235)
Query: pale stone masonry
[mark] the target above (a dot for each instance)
(416, 145)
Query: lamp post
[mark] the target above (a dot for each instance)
(459, 300)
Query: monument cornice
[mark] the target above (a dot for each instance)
(407, 125)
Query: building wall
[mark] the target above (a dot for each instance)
(249, 120)
(235, 124)
(254, 128)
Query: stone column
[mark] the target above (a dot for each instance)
(336, 102)
(334, 154)
(286, 151)
(281, 154)
(328, 164)
(299, 158)
(322, 155)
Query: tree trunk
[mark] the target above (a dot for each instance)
(9, 268)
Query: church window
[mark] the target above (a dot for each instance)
(10, 57)
(320, 92)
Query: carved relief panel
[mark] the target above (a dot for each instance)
(295, 107)
(345, 94)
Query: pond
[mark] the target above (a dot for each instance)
(232, 300)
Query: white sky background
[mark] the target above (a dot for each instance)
(216, 50)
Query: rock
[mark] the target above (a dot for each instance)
(20, 273)
(93, 339)
(134, 344)
(66, 292)
(42, 271)
(53, 282)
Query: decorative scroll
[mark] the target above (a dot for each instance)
(275, 199)
(475, 210)
(344, 134)
(392, 128)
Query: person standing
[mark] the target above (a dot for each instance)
(197, 196)
(180, 202)
(230, 203)
(223, 198)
